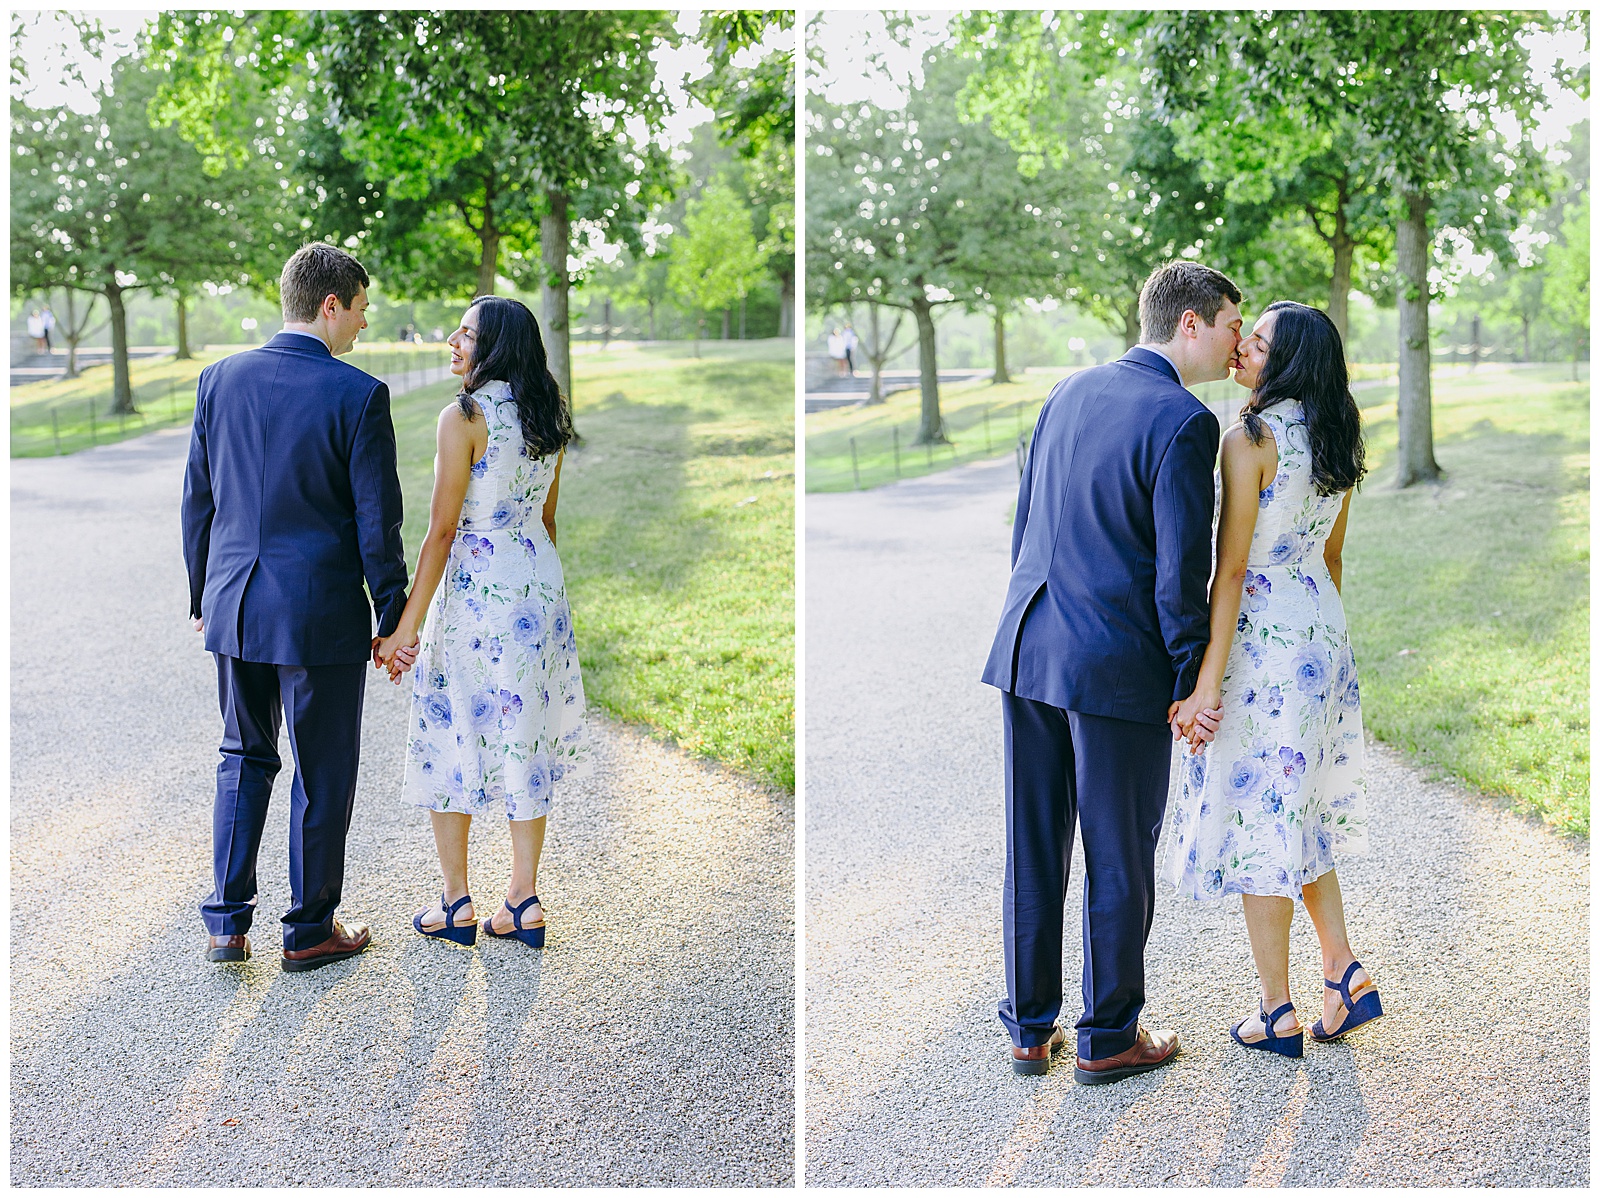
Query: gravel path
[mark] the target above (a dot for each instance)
(657, 1049)
(1474, 921)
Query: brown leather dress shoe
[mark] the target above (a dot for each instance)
(228, 948)
(1150, 1051)
(1031, 1062)
(345, 942)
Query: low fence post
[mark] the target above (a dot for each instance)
(93, 438)
(55, 430)
(896, 429)
(172, 397)
(855, 469)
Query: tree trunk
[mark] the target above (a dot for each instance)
(932, 426)
(488, 254)
(1000, 373)
(1477, 334)
(786, 304)
(605, 328)
(1130, 326)
(651, 304)
(875, 357)
(555, 236)
(726, 314)
(1416, 461)
(183, 354)
(741, 318)
(72, 331)
(1527, 329)
(699, 329)
(121, 385)
(1344, 256)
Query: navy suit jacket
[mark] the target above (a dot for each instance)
(291, 499)
(1107, 611)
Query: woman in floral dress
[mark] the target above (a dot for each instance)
(496, 701)
(1260, 811)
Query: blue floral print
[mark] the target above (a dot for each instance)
(1264, 807)
(497, 701)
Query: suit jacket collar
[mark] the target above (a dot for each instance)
(309, 345)
(1147, 357)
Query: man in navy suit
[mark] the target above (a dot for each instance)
(291, 501)
(1105, 622)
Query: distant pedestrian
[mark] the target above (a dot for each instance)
(49, 319)
(836, 351)
(850, 343)
(36, 331)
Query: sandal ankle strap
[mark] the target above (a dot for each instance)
(450, 908)
(516, 912)
(1343, 984)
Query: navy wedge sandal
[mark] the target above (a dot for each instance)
(1292, 1045)
(532, 936)
(463, 933)
(1356, 1010)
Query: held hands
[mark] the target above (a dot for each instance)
(396, 653)
(1197, 717)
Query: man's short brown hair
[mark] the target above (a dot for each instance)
(317, 271)
(1180, 287)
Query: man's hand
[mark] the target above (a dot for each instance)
(198, 623)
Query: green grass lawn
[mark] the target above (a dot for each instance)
(66, 415)
(676, 531)
(1469, 601)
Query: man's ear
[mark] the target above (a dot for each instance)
(1189, 323)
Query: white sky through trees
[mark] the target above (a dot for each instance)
(854, 60)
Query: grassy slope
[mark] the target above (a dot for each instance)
(1485, 579)
(676, 526)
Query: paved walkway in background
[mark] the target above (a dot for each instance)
(650, 1043)
(1474, 922)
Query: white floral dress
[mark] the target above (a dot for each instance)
(497, 711)
(1262, 808)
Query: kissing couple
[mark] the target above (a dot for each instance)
(291, 502)
(1118, 638)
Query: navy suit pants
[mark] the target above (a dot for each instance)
(323, 704)
(1109, 777)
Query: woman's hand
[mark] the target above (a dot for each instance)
(1196, 718)
(396, 652)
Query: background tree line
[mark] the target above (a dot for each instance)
(455, 152)
(1062, 156)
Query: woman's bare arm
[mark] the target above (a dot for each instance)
(460, 443)
(1333, 549)
(549, 513)
(1246, 468)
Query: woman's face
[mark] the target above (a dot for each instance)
(1253, 352)
(464, 343)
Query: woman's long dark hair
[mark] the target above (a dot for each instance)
(1306, 362)
(508, 346)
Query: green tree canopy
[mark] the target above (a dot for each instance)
(1418, 97)
(111, 203)
(717, 260)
